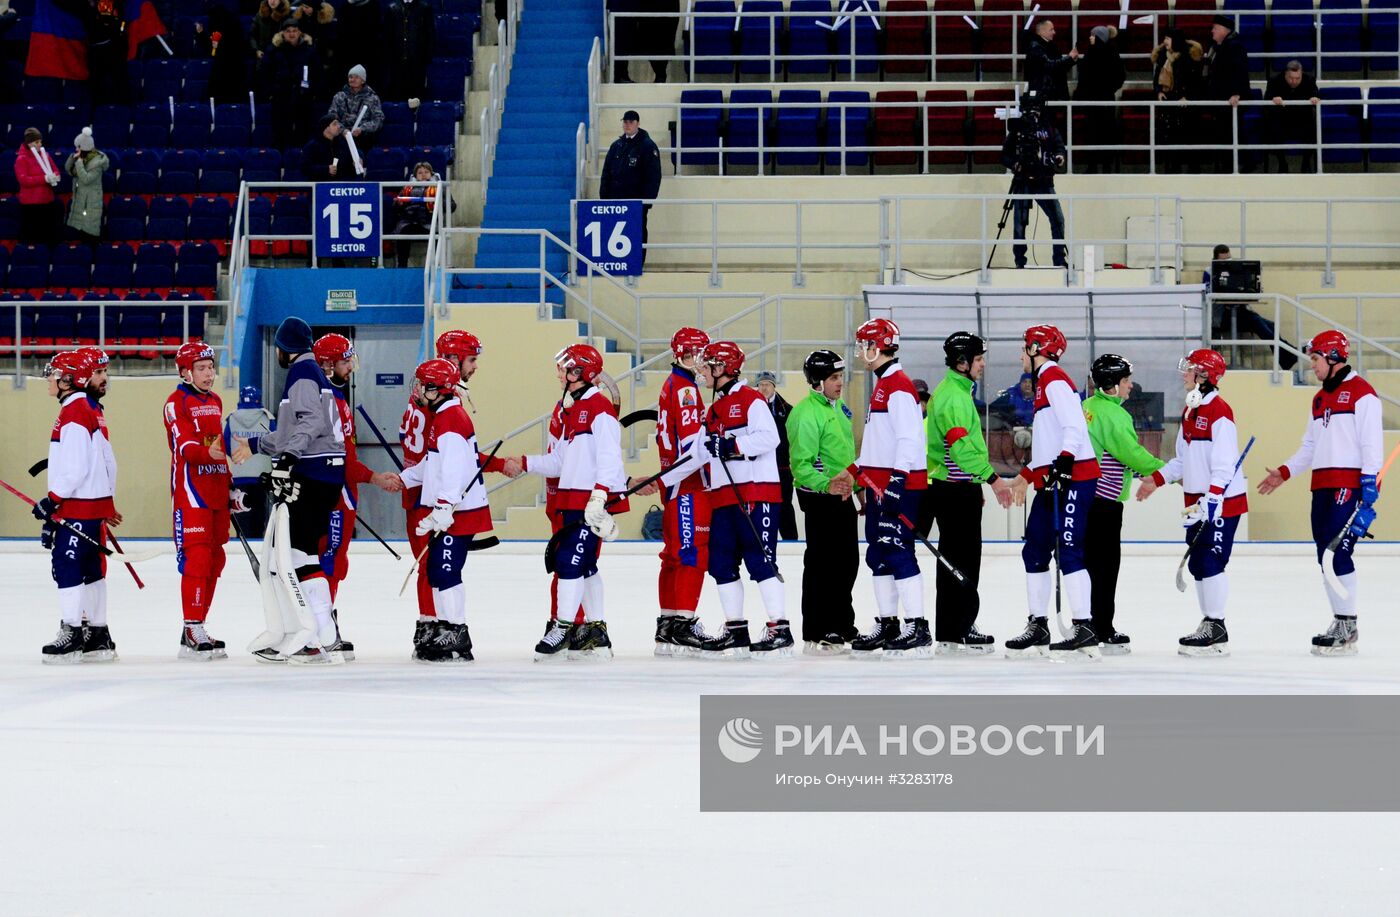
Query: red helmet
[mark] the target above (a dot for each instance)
(191, 353)
(332, 347)
(727, 355)
(1208, 363)
(1045, 341)
(881, 332)
(459, 344)
(99, 356)
(1331, 344)
(583, 357)
(72, 366)
(689, 341)
(438, 373)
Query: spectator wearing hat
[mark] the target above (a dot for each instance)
(767, 385)
(357, 96)
(86, 164)
(327, 156)
(38, 176)
(413, 209)
(291, 70)
(1101, 75)
(632, 170)
(1225, 75)
(1293, 123)
(267, 25)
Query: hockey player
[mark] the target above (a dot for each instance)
(250, 419)
(1342, 444)
(451, 491)
(82, 481)
(1207, 448)
(958, 466)
(1119, 452)
(199, 492)
(893, 464)
(1065, 473)
(685, 525)
(587, 460)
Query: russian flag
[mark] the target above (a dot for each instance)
(142, 22)
(57, 44)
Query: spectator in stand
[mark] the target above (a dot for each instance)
(632, 170)
(86, 164)
(327, 156)
(1016, 405)
(107, 53)
(1229, 318)
(291, 68)
(350, 101)
(1225, 76)
(627, 35)
(659, 36)
(1176, 72)
(38, 176)
(1047, 70)
(409, 30)
(361, 34)
(267, 25)
(1034, 151)
(225, 43)
(767, 385)
(1293, 123)
(313, 18)
(413, 209)
(319, 22)
(1100, 77)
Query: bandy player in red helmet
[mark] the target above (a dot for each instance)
(1342, 444)
(685, 525)
(1207, 450)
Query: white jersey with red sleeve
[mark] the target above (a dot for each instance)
(680, 420)
(193, 423)
(895, 439)
(1059, 427)
(742, 413)
(82, 466)
(448, 471)
(1343, 439)
(1207, 448)
(587, 455)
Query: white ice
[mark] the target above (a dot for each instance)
(154, 787)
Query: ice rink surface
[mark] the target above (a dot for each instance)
(154, 787)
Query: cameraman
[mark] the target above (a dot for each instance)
(1034, 151)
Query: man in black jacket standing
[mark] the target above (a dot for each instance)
(1034, 151)
(1226, 77)
(632, 170)
(1047, 70)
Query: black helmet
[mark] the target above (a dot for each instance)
(820, 365)
(962, 345)
(1109, 369)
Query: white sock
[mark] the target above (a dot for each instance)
(1215, 592)
(1038, 588)
(593, 598)
(426, 617)
(774, 604)
(731, 599)
(1347, 606)
(70, 605)
(911, 595)
(886, 597)
(451, 604)
(318, 595)
(570, 595)
(1333, 598)
(95, 603)
(1077, 590)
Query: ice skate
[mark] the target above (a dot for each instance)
(912, 642)
(1081, 644)
(1033, 642)
(196, 645)
(589, 642)
(866, 646)
(315, 656)
(342, 646)
(1209, 639)
(66, 647)
(269, 655)
(975, 643)
(665, 636)
(449, 643)
(732, 644)
(776, 643)
(1339, 640)
(830, 645)
(98, 645)
(555, 642)
(423, 631)
(1116, 644)
(688, 636)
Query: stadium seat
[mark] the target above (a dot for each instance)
(437, 125)
(748, 125)
(947, 126)
(997, 26)
(179, 172)
(111, 125)
(173, 326)
(219, 171)
(1383, 36)
(9, 218)
(907, 35)
(262, 164)
(713, 36)
(447, 78)
(1342, 38)
(385, 164)
(1253, 30)
(9, 325)
(112, 265)
(797, 127)
(848, 116)
(1341, 123)
(761, 37)
(126, 218)
(808, 37)
(953, 38)
(1147, 20)
(1292, 31)
(1194, 17)
(897, 126)
(169, 216)
(291, 215)
(698, 128)
(863, 30)
(155, 266)
(150, 125)
(209, 219)
(138, 327)
(987, 129)
(198, 266)
(1383, 106)
(196, 88)
(232, 126)
(29, 267)
(139, 170)
(71, 266)
(263, 134)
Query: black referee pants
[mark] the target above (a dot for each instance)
(1103, 552)
(956, 507)
(829, 566)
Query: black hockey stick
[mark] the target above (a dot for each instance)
(247, 548)
(1191, 545)
(1059, 533)
(480, 473)
(879, 493)
(38, 467)
(366, 526)
(638, 416)
(738, 499)
(383, 442)
(557, 537)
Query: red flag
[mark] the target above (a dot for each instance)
(142, 22)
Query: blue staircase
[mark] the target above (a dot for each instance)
(533, 174)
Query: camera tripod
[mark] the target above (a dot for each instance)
(1007, 206)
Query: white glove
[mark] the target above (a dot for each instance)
(413, 103)
(237, 501)
(597, 518)
(439, 520)
(1204, 510)
(52, 180)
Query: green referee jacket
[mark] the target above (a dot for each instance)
(956, 449)
(820, 442)
(1116, 444)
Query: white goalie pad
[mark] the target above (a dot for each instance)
(290, 623)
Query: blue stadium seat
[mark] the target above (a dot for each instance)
(173, 327)
(1384, 111)
(4, 267)
(9, 219)
(1252, 30)
(291, 163)
(857, 126)
(447, 77)
(291, 215)
(155, 266)
(220, 171)
(139, 170)
(453, 33)
(745, 125)
(259, 216)
(385, 164)
(263, 134)
(191, 126)
(196, 88)
(262, 164)
(112, 265)
(179, 172)
(867, 38)
(29, 267)
(1293, 30)
(1342, 123)
(56, 327)
(210, 218)
(198, 265)
(807, 37)
(761, 36)
(698, 128)
(71, 266)
(1383, 36)
(797, 127)
(126, 218)
(232, 126)
(1341, 38)
(169, 216)
(713, 37)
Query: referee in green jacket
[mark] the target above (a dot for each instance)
(821, 446)
(1116, 444)
(958, 466)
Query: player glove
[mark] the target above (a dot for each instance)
(597, 518)
(439, 520)
(1061, 471)
(1370, 490)
(1204, 510)
(284, 489)
(892, 501)
(722, 447)
(47, 535)
(1361, 525)
(237, 501)
(45, 508)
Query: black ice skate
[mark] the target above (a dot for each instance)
(830, 645)
(687, 636)
(449, 643)
(422, 631)
(665, 635)
(269, 655)
(1034, 640)
(732, 644)
(777, 642)
(1209, 639)
(1082, 643)
(342, 646)
(196, 644)
(1339, 640)
(866, 646)
(315, 655)
(555, 641)
(66, 647)
(975, 643)
(912, 642)
(98, 645)
(590, 642)
(1116, 644)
